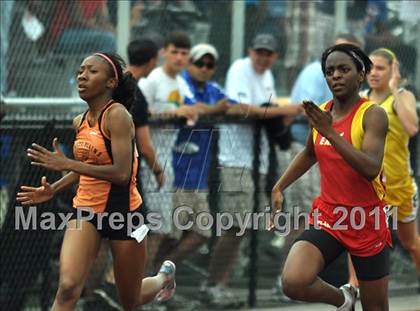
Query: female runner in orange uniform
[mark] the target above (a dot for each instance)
(105, 168)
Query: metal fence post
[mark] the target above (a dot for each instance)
(253, 267)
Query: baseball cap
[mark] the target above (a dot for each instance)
(264, 41)
(202, 49)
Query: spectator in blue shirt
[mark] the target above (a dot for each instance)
(192, 145)
(191, 154)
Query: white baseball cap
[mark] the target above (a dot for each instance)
(202, 49)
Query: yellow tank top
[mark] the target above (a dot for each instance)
(397, 157)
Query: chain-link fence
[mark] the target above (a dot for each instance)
(42, 44)
(44, 41)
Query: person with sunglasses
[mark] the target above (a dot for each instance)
(190, 156)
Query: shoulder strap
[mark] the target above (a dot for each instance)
(357, 130)
(100, 126)
(82, 120)
(388, 101)
(102, 116)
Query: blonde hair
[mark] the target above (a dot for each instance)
(385, 53)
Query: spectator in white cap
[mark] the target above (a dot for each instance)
(200, 50)
(190, 157)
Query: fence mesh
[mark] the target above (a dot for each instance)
(30, 258)
(44, 41)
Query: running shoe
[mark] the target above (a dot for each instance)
(350, 294)
(166, 293)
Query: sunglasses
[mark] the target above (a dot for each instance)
(201, 64)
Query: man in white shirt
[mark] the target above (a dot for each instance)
(250, 82)
(164, 90)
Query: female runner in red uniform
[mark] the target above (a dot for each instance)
(347, 140)
(105, 168)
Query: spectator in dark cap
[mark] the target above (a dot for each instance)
(265, 42)
(250, 82)
(263, 53)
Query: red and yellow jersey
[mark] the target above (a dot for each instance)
(340, 183)
(92, 146)
(343, 190)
